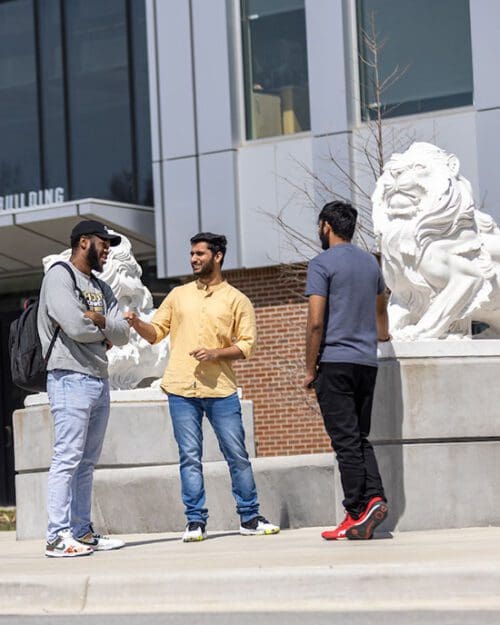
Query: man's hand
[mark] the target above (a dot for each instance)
(131, 318)
(314, 331)
(202, 354)
(308, 380)
(143, 328)
(97, 318)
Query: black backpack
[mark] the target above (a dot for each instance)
(27, 364)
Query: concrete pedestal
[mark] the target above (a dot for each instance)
(435, 426)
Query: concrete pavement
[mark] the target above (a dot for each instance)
(293, 571)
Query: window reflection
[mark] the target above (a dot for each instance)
(19, 129)
(99, 100)
(432, 39)
(51, 90)
(276, 77)
(74, 101)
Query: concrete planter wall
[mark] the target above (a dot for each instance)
(436, 427)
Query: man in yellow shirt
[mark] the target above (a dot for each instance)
(210, 324)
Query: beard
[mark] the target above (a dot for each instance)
(206, 270)
(93, 258)
(325, 242)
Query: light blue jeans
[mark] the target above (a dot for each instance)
(224, 414)
(80, 407)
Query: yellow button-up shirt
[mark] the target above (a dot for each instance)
(211, 317)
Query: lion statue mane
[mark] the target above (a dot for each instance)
(138, 363)
(440, 255)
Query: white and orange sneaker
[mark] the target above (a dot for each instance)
(65, 546)
(98, 542)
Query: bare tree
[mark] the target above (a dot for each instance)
(366, 156)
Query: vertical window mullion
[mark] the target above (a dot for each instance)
(67, 115)
(132, 94)
(39, 89)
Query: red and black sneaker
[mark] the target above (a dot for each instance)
(339, 532)
(375, 512)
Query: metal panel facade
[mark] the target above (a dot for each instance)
(327, 77)
(231, 184)
(218, 201)
(180, 197)
(175, 78)
(485, 18)
(211, 63)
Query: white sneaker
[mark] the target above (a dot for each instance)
(194, 532)
(258, 526)
(65, 546)
(97, 542)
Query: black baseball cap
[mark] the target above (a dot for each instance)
(89, 227)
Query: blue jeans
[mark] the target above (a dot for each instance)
(80, 407)
(224, 414)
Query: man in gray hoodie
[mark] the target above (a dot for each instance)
(77, 385)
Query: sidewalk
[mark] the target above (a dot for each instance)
(296, 570)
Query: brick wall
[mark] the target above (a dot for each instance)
(286, 418)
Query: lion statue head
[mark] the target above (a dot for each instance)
(423, 186)
(432, 242)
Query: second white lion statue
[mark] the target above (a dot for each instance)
(137, 362)
(440, 255)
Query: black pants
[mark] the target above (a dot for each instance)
(345, 396)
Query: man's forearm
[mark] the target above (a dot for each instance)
(313, 344)
(382, 318)
(383, 326)
(230, 353)
(145, 329)
(218, 353)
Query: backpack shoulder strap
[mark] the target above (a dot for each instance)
(58, 328)
(72, 274)
(99, 283)
(61, 263)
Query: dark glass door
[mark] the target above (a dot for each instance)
(11, 398)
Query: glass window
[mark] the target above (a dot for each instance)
(74, 102)
(431, 38)
(99, 99)
(51, 94)
(275, 62)
(141, 126)
(19, 128)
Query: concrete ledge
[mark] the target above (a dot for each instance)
(437, 398)
(139, 433)
(295, 491)
(439, 348)
(440, 485)
(309, 588)
(435, 420)
(430, 485)
(293, 571)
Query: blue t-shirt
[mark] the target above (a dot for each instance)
(351, 280)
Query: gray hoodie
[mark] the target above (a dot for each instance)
(80, 345)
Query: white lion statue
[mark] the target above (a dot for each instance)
(440, 256)
(138, 361)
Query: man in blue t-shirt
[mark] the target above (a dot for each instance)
(347, 313)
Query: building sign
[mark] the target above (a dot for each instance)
(32, 198)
